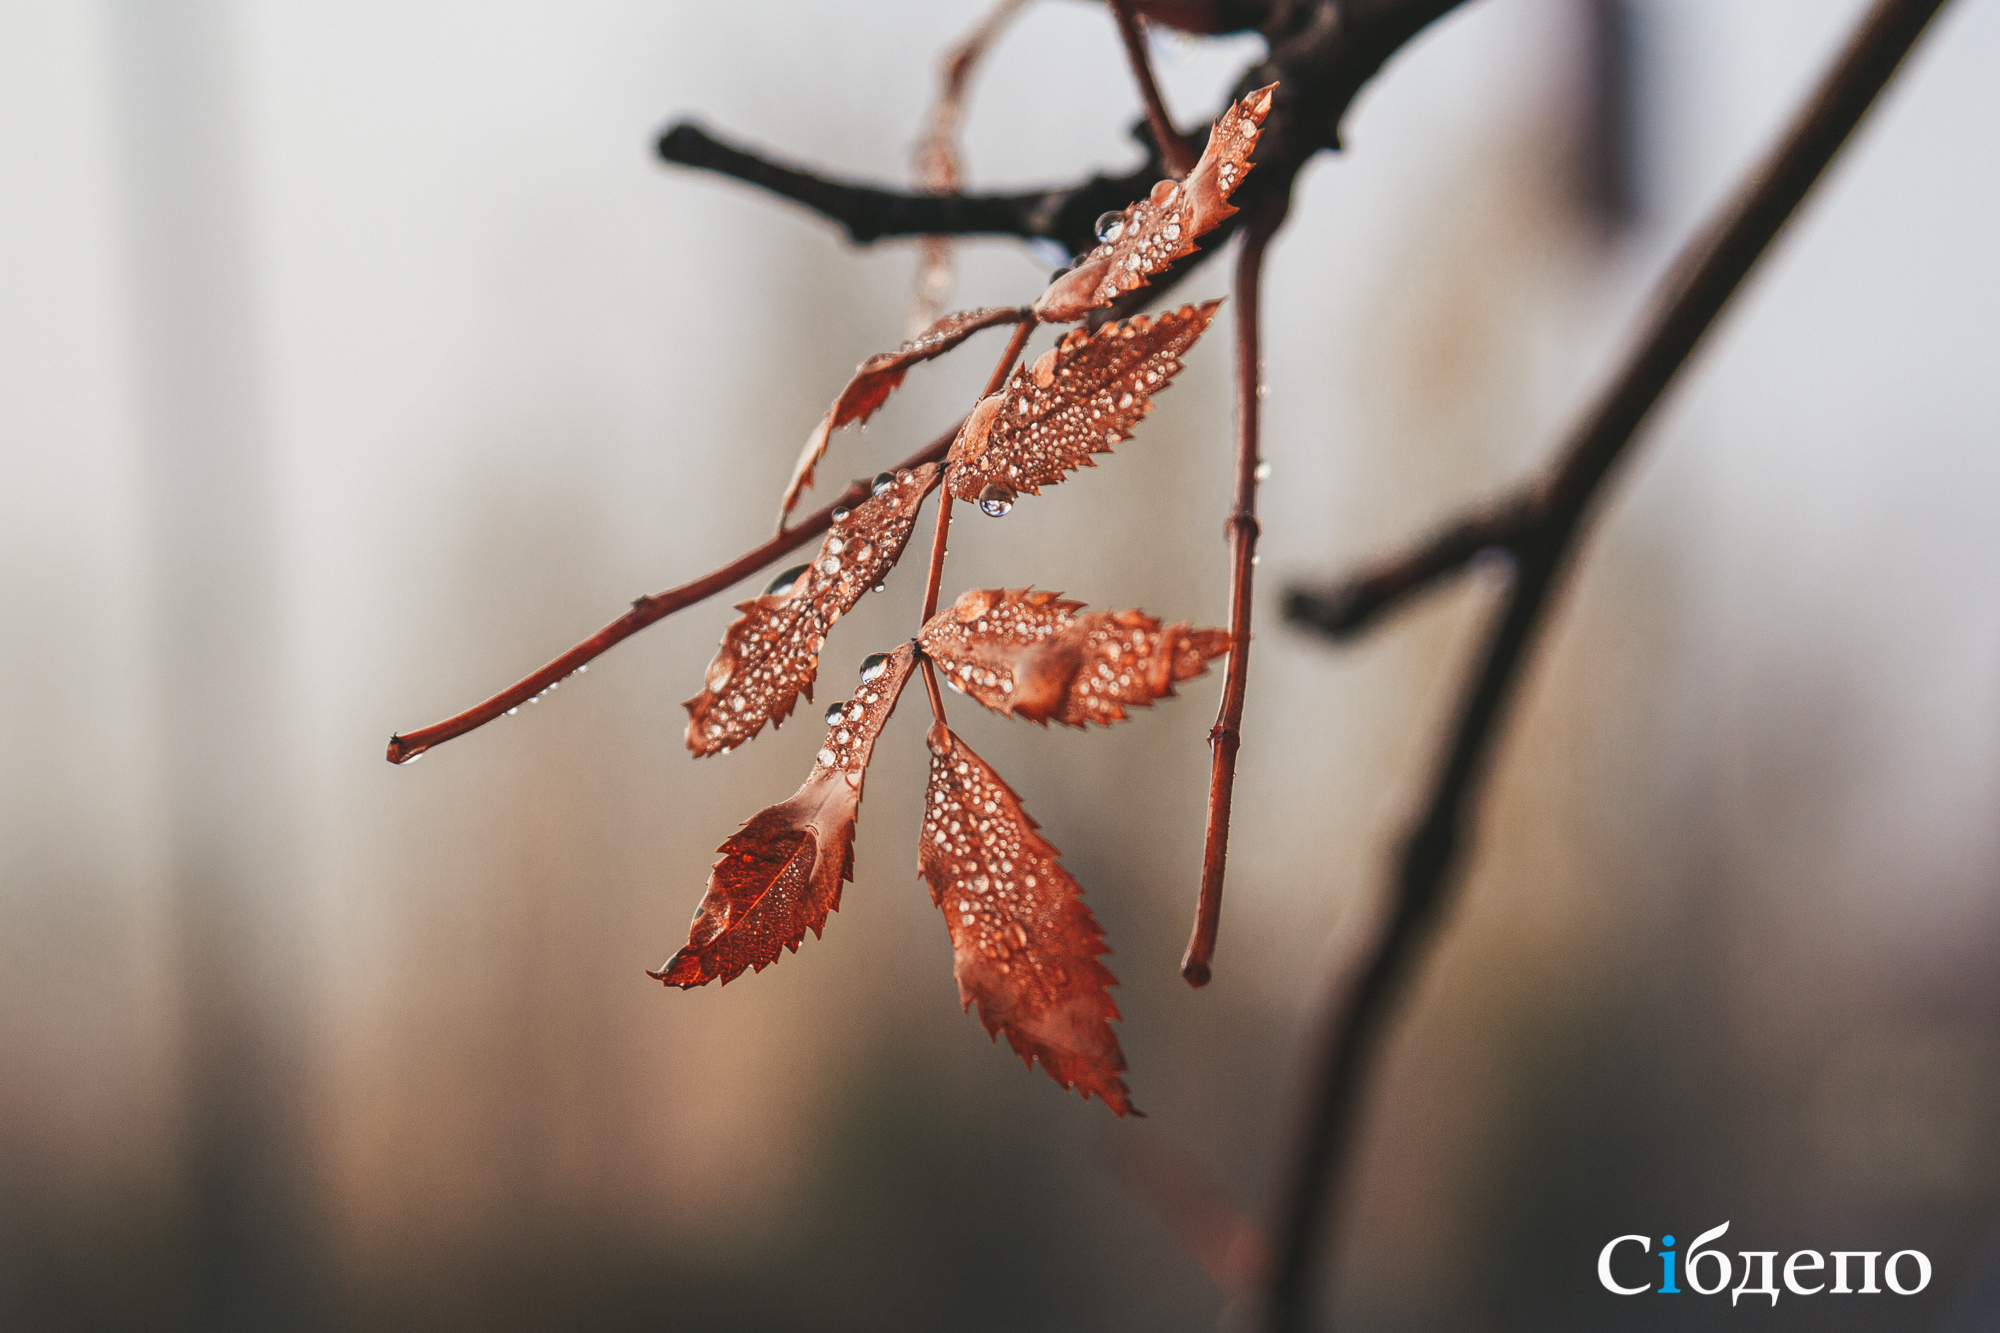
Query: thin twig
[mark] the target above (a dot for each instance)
(1687, 303)
(1226, 736)
(937, 165)
(647, 610)
(1173, 146)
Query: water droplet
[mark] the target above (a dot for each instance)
(514, 711)
(1059, 275)
(836, 714)
(873, 665)
(782, 585)
(413, 758)
(1263, 472)
(580, 670)
(834, 546)
(1110, 226)
(883, 481)
(840, 514)
(825, 758)
(1256, 559)
(880, 587)
(996, 501)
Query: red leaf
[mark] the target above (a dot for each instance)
(1157, 230)
(1081, 397)
(781, 873)
(1023, 944)
(1027, 654)
(876, 378)
(770, 653)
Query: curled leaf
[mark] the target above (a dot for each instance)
(1023, 944)
(876, 378)
(781, 873)
(1030, 654)
(770, 653)
(1079, 398)
(1161, 228)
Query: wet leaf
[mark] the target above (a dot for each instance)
(1033, 655)
(770, 653)
(1024, 946)
(781, 874)
(1161, 228)
(1079, 398)
(876, 378)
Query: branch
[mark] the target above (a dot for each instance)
(645, 611)
(1543, 537)
(1226, 736)
(1173, 146)
(1066, 214)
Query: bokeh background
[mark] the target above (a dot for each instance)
(357, 357)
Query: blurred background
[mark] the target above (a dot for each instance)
(356, 358)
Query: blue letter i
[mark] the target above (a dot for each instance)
(1667, 1287)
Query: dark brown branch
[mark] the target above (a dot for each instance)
(1175, 151)
(1226, 736)
(1347, 608)
(645, 611)
(1322, 54)
(1690, 298)
(1066, 214)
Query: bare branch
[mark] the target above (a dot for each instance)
(1226, 736)
(645, 611)
(1065, 213)
(1687, 303)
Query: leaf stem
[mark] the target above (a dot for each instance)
(1174, 150)
(934, 576)
(1226, 736)
(647, 610)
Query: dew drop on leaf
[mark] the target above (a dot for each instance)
(996, 501)
(836, 714)
(785, 582)
(883, 481)
(1110, 226)
(840, 514)
(872, 667)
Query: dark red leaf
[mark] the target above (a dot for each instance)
(1029, 654)
(1079, 398)
(770, 653)
(1023, 944)
(878, 377)
(1161, 228)
(782, 872)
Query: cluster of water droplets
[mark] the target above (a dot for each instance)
(771, 654)
(976, 855)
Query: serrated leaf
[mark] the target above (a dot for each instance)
(1079, 398)
(1161, 228)
(1024, 946)
(878, 377)
(1030, 654)
(781, 874)
(770, 653)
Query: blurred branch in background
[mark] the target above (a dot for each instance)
(1539, 528)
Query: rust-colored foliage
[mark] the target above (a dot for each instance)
(1030, 654)
(781, 874)
(878, 377)
(1023, 944)
(1081, 397)
(770, 653)
(1154, 232)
